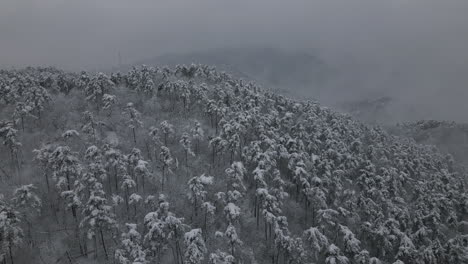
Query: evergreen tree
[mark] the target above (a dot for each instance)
(196, 249)
(131, 251)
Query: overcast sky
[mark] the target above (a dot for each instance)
(421, 43)
(91, 32)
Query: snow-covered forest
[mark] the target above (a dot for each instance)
(190, 165)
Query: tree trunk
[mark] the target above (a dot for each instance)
(174, 254)
(116, 179)
(126, 202)
(134, 136)
(11, 254)
(95, 247)
(148, 150)
(103, 244)
(109, 181)
(47, 181)
(204, 222)
(213, 158)
(163, 178)
(143, 183)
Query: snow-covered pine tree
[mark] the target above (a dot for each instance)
(90, 125)
(187, 146)
(10, 230)
(141, 171)
(108, 102)
(28, 203)
(167, 161)
(134, 119)
(131, 250)
(97, 217)
(232, 238)
(10, 140)
(134, 200)
(220, 257)
(317, 241)
(197, 134)
(334, 256)
(167, 129)
(236, 174)
(99, 85)
(21, 112)
(127, 184)
(197, 194)
(195, 247)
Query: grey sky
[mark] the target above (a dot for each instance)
(91, 32)
(397, 44)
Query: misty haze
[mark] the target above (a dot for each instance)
(229, 132)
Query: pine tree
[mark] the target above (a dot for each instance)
(10, 231)
(127, 184)
(232, 238)
(175, 228)
(108, 102)
(187, 146)
(167, 130)
(66, 169)
(22, 111)
(236, 175)
(198, 193)
(406, 250)
(131, 251)
(197, 134)
(334, 256)
(90, 125)
(43, 156)
(141, 171)
(167, 161)
(134, 200)
(317, 241)
(10, 139)
(196, 249)
(220, 257)
(232, 212)
(115, 164)
(97, 217)
(209, 210)
(97, 87)
(217, 145)
(37, 98)
(28, 203)
(134, 119)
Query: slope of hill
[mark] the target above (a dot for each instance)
(189, 165)
(449, 137)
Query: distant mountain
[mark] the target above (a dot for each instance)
(370, 110)
(270, 67)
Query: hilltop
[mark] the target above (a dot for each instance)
(289, 72)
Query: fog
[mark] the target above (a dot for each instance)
(413, 50)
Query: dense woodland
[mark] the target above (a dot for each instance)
(189, 165)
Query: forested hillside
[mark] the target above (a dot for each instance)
(189, 165)
(449, 137)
